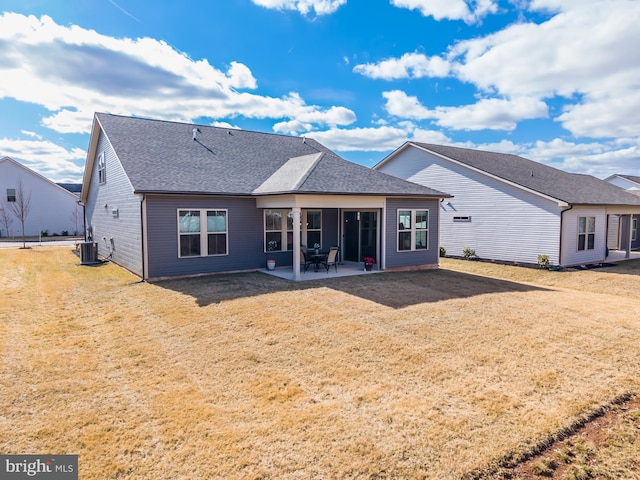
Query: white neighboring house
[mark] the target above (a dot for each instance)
(53, 209)
(509, 208)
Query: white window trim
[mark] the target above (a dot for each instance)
(413, 229)
(204, 234)
(283, 229)
(304, 228)
(11, 197)
(586, 234)
(102, 169)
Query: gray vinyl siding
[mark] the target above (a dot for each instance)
(507, 223)
(125, 228)
(396, 259)
(245, 236)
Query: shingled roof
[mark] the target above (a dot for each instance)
(164, 157)
(571, 188)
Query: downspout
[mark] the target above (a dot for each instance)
(561, 230)
(143, 237)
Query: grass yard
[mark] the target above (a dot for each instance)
(447, 374)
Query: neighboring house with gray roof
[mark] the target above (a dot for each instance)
(509, 208)
(630, 183)
(169, 199)
(617, 231)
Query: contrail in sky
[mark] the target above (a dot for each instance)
(123, 10)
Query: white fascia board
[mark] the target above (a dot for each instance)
(320, 201)
(91, 156)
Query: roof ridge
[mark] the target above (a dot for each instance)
(291, 174)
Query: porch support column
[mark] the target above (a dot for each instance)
(296, 242)
(629, 236)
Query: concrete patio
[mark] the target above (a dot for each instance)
(345, 269)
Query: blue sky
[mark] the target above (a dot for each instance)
(556, 81)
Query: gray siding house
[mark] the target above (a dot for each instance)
(509, 208)
(167, 199)
(618, 233)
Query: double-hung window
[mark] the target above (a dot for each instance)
(313, 227)
(11, 194)
(634, 229)
(102, 169)
(202, 232)
(586, 233)
(278, 230)
(413, 230)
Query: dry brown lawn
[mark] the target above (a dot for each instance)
(440, 374)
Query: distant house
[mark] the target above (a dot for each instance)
(509, 208)
(54, 210)
(618, 234)
(169, 199)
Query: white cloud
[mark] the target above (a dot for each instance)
(320, 7)
(384, 138)
(599, 159)
(27, 133)
(402, 105)
(468, 11)
(56, 67)
(46, 158)
(595, 70)
(488, 113)
(409, 65)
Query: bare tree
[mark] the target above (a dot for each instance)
(5, 217)
(21, 207)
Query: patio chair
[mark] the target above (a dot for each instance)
(304, 260)
(331, 259)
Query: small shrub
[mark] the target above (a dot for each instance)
(544, 261)
(579, 472)
(468, 252)
(565, 455)
(544, 467)
(443, 251)
(44, 233)
(65, 233)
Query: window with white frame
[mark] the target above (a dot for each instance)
(413, 230)
(202, 232)
(312, 228)
(102, 169)
(278, 230)
(586, 233)
(11, 194)
(634, 229)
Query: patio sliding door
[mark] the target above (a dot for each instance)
(360, 231)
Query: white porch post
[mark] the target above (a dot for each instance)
(296, 242)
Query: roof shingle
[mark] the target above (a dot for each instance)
(163, 157)
(572, 188)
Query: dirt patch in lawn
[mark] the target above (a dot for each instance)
(606, 447)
